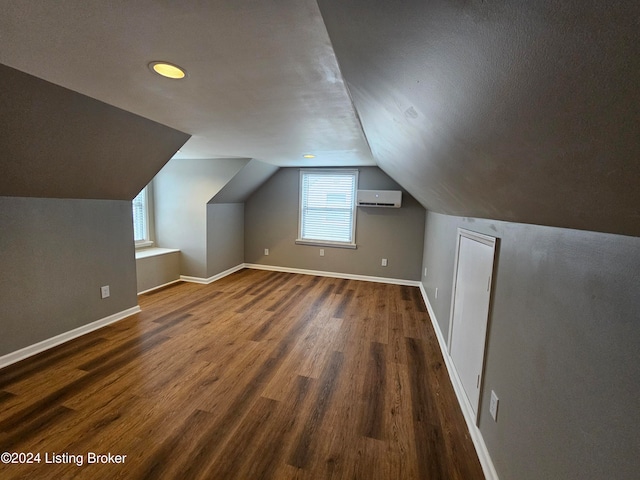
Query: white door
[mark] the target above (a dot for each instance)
(470, 310)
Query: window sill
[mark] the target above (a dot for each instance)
(154, 252)
(320, 243)
(144, 244)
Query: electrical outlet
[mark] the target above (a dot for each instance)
(425, 271)
(266, 251)
(436, 293)
(104, 291)
(384, 262)
(322, 252)
(493, 406)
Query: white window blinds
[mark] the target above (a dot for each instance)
(140, 229)
(327, 206)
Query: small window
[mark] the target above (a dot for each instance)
(327, 207)
(140, 206)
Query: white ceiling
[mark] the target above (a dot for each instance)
(263, 81)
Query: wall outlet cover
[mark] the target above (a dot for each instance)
(493, 406)
(384, 262)
(266, 251)
(322, 252)
(104, 291)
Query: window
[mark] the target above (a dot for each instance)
(140, 206)
(328, 207)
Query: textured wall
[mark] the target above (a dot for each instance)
(271, 221)
(562, 347)
(54, 256)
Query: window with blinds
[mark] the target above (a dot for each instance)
(327, 207)
(140, 221)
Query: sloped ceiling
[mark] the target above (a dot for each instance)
(57, 143)
(245, 182)
(262, 79)
(518, 111)
(511, 110)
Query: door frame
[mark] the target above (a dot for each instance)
(493, 243)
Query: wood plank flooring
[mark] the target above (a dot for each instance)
(260, 375)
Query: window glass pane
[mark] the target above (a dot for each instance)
(140, 216)
(327, 206)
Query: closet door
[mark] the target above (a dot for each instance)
(470, 310)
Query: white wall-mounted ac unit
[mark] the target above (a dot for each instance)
(379, 198)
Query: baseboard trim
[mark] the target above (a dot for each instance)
(207, 281)
(39, 347)
(301, 271)
(159, 286)
(476, 436)
(321, 273)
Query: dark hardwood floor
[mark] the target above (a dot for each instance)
(260, 375)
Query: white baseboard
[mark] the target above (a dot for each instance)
(207, 281)
(320, 273)
(301, 271)
(36, 348)
(476, 436)
(159, 286)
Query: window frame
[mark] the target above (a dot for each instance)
(147, 241)
(321, 242)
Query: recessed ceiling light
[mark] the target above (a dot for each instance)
(168, 70)
(308, 155)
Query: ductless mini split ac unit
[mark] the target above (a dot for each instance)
(379, 198)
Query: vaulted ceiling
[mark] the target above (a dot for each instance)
(517, 111)
(262, 78)
(56, 143)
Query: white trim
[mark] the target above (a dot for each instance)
(159, 286)
(301, 271)
(491, 243)
(154, 252)
(354, 211)
(321, 243)
(146, 241)
(39, 347)
(320, 273)
(474, 432)
(207, 281)
(478, 237)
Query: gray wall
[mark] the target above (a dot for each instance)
(562, 347)
(181, 192)
(157, 270)
(271, 221)
(225, 237)
(54, 256)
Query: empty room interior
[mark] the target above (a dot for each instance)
(320, 239)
